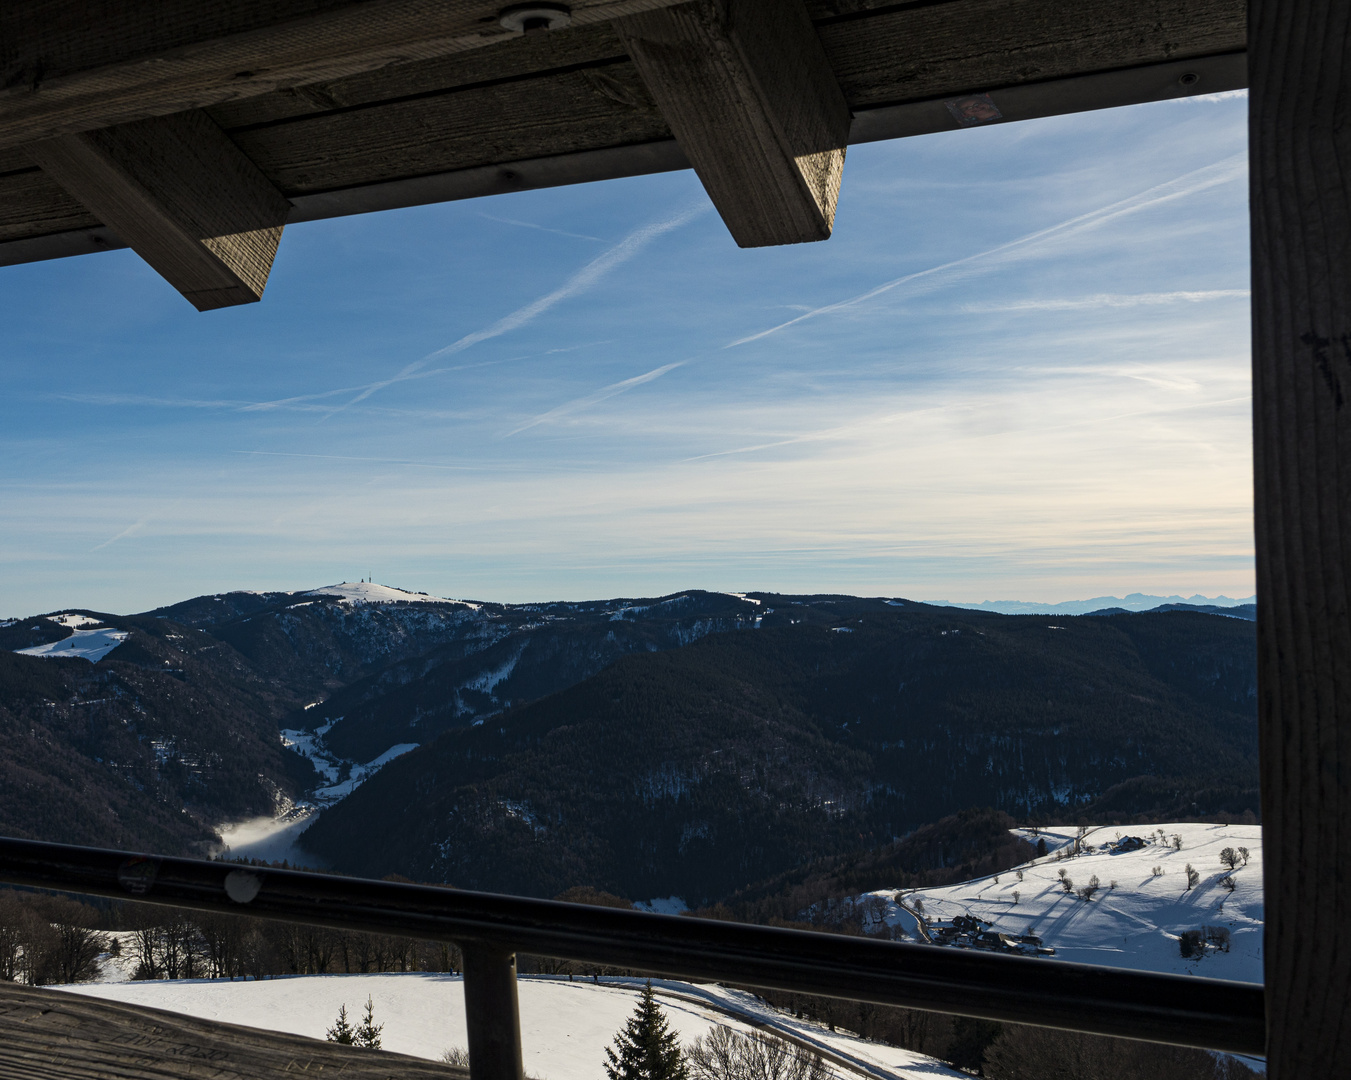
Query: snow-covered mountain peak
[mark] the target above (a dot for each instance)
(367, 592)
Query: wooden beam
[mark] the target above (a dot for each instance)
(67, 66)
(183, 196)
(750, 97)
(1299, 63)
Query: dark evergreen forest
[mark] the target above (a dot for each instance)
(838, 726)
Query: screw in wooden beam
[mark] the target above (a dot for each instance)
(183, 196)
(492, 1013)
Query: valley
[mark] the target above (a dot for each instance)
(686, 746)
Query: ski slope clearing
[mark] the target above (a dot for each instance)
(366, 592)
(91, 645)
(565, 1026)
(1139, 913)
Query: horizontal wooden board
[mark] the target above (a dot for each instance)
(57, 1035)
(32, 204)
(486, 125)
(921, 52)
(531, 56)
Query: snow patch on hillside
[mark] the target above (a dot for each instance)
(91, 645)
(565, 1026)
(71, 621)
(366, 592)
(327, 796)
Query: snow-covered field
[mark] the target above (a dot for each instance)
(1137, 916)
(565, 1026)
(1134, 920)
(91, 645)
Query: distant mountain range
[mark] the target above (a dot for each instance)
(1099, 604)
(688, 744)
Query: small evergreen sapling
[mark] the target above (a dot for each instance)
(646, 1048)
(368, 1031)
(342, 1032)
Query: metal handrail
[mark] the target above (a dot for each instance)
(1186, 1011)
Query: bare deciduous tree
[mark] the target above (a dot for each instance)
(724, 1054)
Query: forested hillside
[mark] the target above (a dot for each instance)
(177, 728)
(839, 725)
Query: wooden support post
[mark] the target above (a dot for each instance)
(1299, 61)
(750, 96)
(180, 193)
(492, 1013)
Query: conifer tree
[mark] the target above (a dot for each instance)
(646, 1048)
(342, 1031)
(368, 1031)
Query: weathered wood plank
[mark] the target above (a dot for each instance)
(975, 45)
(532, 56)
(33, 204)
(65, 67)
(1300, 68)
(481, 126)
(750, 97)
(53, 1035)
(183, 196)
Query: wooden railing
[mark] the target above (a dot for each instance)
(490, 929)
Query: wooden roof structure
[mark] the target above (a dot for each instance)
(194, 131)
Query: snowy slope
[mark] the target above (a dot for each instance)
(366, 592)
(91, 645)
(565, 1026)
(1136, 924)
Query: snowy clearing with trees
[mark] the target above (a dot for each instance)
(566, 1026)
(1181, 898)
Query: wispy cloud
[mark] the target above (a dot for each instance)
(541, 228)
(130, 530)
(411, 463)
(1221, 172)
(584, 279)
(1114, 300)
(578, 404)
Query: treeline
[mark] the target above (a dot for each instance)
(1011, 1051)
(48, 939)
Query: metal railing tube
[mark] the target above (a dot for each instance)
(1184, 1011)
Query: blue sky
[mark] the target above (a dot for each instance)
(1019, 369)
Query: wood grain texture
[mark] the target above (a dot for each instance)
(33, 204)
(977, 45)
(531, 56)
(482, 126)
(65, 67)
(1300, 147)
(183, 196)
(750, 97)
(56, 1035)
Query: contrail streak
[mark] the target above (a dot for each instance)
(1209, 176)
